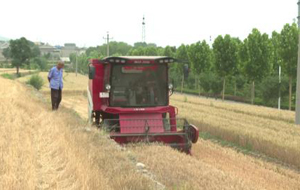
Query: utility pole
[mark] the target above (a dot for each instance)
(279, 93)
(107, 43)
(76, 64)
(297, 114)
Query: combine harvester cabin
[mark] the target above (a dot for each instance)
(129, 98)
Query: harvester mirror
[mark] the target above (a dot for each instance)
(171, 89)
(91, 72)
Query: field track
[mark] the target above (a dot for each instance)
(251, 172)
(42, 149)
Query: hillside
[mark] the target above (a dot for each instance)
(3, 38)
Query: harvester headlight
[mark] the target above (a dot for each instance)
(107, 87)
(170, 86)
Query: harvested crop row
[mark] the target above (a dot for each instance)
(179, 171)
(254, 172)
(41, 149)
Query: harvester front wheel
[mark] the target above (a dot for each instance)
(193, 133)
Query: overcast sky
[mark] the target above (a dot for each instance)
(168, 22)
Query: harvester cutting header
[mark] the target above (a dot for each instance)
(129, 97)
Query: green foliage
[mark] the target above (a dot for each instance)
(210, 82)
(36, 81)
(226, 55)
(6, 53)
(35, 51)
(275, 52)
(205, 81)
(216, 84)
(257, 56)
(270, 88)
(151, 51)
(240, 81)
(120, 48)
(289, 48)
(170, 51)
(140, 44)
(182, 56)
(137, 52)
(8, 76)
(39, 63)
(200, 56)
(20, 52)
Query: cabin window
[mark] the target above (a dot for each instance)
(139, 85)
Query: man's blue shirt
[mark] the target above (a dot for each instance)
(56, 78)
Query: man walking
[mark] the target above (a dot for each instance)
(55, 78)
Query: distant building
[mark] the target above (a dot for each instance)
(46, 49)
(54, 52)
(68, 49)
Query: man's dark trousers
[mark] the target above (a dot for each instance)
(55, 98)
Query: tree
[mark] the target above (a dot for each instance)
(35, 51)
(226, 57)
(20, 52)
(6, 53)
(182, 56)
(150, 51)
(288, 53)
(137, 51)
(275, 52)
(140, 44)
(40, 63)
(170, 51)
(257, 57)
(120, 48)
(270, 87)
(200, 57)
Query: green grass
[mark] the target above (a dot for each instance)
(8, 76)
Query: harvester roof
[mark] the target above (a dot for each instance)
(139, 59)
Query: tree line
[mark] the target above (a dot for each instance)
(230, 68)
(244, 70)
(24, 54)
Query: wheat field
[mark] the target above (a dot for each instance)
(249, 126)
(210, 167)
(41, 149)
(13, 71)
(72, 83)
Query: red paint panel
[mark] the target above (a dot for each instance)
(137, 123)
(98, 85)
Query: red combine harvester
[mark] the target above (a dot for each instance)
(129, 97)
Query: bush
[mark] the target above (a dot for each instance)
(269, 88)
(36, 81)
(8, 76)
